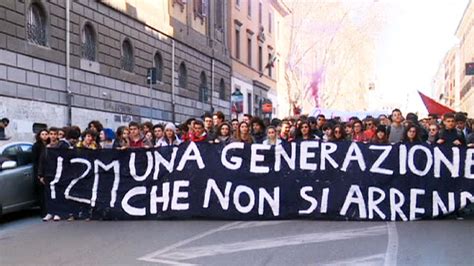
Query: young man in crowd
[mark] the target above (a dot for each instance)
(53, 137)
(235, 124)
(199, 132)
(461, 119)
(370, 128)
(3, 124)
(285, 131)
(395, 130)
(136, 139)
(258, 130)
(209, 126)
(450, 134)
(71, 138)
(218, 118)
(246, 118)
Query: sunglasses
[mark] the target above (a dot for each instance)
(433, 129)
(369, 124)
(337, 132)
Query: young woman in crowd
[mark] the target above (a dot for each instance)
(38, 153)
(338, 133)
(358, 133)
(243, 133)
(88, 141)
(169, 138)
(107, 137)
(348, 130)
(303, 132)
(272, 136)
(223, 133)
(411, 134)
(380, 136)
(96, 127)
(61, 133)
(327, 132)
(147, 127)
(122, 141)
(149, 137)
(433, 134)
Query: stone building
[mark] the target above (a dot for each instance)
(465, 33)
(254, 42)
(98, 68)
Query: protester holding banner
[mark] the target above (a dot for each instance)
(223, 133)
(122, 140)
(243, 133)
(169, 138)
(338, 133)
(449, 134)
(107, 137)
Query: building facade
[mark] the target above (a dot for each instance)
(465, 33)
(446, 84)
(254, 48)
(97, 66)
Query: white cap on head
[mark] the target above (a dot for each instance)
(170, 126)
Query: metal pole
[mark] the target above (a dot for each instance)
(151, 93)
(68, 64)
(173, 82)
(212, 84)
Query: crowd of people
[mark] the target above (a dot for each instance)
(451, 129)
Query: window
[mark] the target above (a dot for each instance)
(88, 42)
(203, 89)
(260, 12)
(249, 103)
(36, 25)
(219, 15)
(249, 51)
(270, 64)
(200, 8)
(237, 3)
(127, 56)
(222, 90)
(260, 58)
(158, 60)
(237, 43)
(249, 9)
(270, 22)
(183, 76)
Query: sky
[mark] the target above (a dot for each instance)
(409, 50)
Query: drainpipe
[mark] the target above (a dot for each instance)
(173, 82)
(212, 85)
(68, 64)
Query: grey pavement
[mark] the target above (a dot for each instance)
(25, 240)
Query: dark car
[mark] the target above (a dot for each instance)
(17, 189)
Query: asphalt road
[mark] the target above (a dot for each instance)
(25, 240)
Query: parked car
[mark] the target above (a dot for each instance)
(17, 188)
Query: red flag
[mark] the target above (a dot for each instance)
(433, 106)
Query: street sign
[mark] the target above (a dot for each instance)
(470, 69)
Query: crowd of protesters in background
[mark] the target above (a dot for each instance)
(451, 129)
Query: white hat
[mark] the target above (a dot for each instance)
(170, 126)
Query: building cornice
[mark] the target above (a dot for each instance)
(463, 16)
(281, 7)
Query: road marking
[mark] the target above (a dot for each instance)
(367, 260)
(219, 249)
(150, 256)
(257, 224)
(392, 246)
